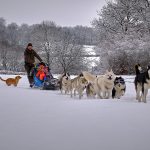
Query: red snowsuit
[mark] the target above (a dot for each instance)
(41, 73)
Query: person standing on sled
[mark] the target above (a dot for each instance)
(29, 58)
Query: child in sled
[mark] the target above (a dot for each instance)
(42, 72)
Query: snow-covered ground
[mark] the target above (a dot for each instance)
(32, 119)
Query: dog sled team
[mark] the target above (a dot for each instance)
(96, 86)
(103, 86)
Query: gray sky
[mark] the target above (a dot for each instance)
(62, 12)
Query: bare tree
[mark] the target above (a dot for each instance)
(4, 52)
(44, 37)
(12, 34)
(60, 47)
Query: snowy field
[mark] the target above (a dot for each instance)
(32, 119)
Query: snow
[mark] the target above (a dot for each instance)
(32, 119)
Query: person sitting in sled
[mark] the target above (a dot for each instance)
(29, 58)
(42, 72)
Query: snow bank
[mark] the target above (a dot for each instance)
(32, 119)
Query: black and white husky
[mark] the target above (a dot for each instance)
(142, 83)
(119, 88)
(64, 80)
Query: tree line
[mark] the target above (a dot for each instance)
(48, 40)
(120, 34)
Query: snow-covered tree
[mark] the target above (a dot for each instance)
(123, 30)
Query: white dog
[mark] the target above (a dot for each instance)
(104, 84)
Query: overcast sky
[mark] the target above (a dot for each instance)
(62, 12)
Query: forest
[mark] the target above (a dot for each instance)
(120, 35)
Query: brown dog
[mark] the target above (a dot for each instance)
(12, 81)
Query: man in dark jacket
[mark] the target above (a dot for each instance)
(29, 57)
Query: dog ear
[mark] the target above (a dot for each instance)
(68, 74)
(64, 74)
(111, 70)
(81, 75)
(148, 67)
(107, 71)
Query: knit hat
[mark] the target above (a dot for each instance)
(29, 44)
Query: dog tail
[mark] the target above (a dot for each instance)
(2, 79)
(88, 76)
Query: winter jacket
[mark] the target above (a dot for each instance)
(29, 56)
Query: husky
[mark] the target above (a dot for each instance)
(90, 91)
(78, 84)
(138, 69)
(138, 86)
(104, 84)
(64, 81)
(142, 84)
(119, 88)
